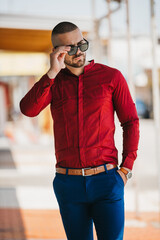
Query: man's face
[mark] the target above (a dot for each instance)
(71, 38)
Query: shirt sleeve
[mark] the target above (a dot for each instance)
(38, 97)
(127, 115)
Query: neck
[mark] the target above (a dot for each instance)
(77, 71)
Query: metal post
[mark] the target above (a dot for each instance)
(110, 60)
(95, 32)
(156, 99)
(130, 75)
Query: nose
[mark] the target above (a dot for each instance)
(78, 51)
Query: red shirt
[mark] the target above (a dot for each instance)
(82, 109)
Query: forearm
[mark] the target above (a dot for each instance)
(127, 114)
(130, 143)
(38, 97)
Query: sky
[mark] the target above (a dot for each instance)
(139, 12)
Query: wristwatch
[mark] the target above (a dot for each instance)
(126, 172)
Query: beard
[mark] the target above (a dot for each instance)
(76, 63)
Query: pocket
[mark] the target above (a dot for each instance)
(119, 179)
(59, 187)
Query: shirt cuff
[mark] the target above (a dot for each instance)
(128, 161)
(47, 81)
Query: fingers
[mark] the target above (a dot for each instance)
(61, 59)
(62, 49)
(58, 55)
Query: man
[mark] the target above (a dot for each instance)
(83, 96)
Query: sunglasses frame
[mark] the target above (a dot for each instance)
(78, 46)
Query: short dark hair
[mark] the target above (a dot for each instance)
(63, 27)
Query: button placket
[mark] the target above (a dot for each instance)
(81, 120)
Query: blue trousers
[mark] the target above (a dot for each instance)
(84, 200)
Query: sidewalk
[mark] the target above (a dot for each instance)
(18, 224)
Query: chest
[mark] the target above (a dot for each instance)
(91, 89)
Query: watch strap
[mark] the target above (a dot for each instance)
(124, 171)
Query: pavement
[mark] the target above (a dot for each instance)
(28, 207)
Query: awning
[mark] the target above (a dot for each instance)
(25, 40)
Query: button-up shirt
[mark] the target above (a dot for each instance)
(82, 108)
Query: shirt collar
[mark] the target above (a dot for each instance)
(86, 68)
(89, 66)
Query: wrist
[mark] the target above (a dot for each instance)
(127, 172)
(126, 168)
(51, 74)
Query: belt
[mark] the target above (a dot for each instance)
(85, 171)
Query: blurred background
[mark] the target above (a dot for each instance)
(124, 34)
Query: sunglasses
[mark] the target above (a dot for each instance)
(82, 46)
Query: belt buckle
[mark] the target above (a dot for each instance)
(83, 173)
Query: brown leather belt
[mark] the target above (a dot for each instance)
(85, 171)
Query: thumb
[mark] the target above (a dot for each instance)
(63, 66)
(62, 56)
(62, 60)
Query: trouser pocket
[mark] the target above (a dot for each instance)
(119, 178)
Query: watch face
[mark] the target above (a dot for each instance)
(129, 175)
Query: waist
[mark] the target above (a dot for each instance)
(86, 171)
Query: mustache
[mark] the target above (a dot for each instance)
(78, 55)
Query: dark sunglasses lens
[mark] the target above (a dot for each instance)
(84, 47)
(72, 51)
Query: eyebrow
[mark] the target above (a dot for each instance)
(80, 41)
(77, 43)
(71, 44)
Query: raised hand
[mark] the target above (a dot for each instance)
(57, 60)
